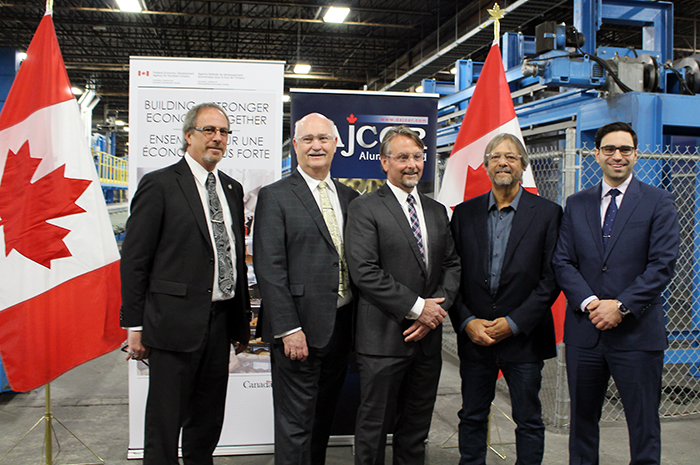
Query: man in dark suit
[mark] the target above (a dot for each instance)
(402, 259)
(299, 261)
(185, 291)
(502, 316)
(616, 252)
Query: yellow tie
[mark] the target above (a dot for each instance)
(332, 224)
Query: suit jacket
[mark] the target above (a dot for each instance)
(387, 267)
(167, 264)
(527, 288)
(634, 268)
(296, 263)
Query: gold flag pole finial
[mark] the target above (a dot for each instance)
(496, 13)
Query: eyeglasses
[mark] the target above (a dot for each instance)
(625, 150)
(211, 130)
(404, 157)
(510, 157)
(322, 138)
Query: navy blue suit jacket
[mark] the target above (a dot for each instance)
(634, 268)
(527, 288)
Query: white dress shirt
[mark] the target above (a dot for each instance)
(402, 196)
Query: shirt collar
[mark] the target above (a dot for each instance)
(514, 204)
(200, 173)
(400, 194)
(622, 187)
(313, 183)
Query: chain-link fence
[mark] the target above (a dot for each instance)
(560, 173)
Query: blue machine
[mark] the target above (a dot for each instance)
(572, 83)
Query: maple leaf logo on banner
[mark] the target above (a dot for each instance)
(25, 218)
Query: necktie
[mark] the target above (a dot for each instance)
(332, 224)
(610, 216)
(221, 241)
(415, 225)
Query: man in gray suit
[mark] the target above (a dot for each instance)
(403, 260)
(306, 310)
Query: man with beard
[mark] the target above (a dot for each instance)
(306, 312)
(402, 258)
(502, 314)
(185, 291)
(616, 253)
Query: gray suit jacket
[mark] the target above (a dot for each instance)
(296, 263)
(386, 266)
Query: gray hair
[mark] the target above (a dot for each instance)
(515, 143)
(402, 130)
(191, 118)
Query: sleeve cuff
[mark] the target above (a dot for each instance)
(417, 309)
(287, 333)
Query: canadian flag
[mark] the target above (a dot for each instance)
(59, 268)
(490, 112)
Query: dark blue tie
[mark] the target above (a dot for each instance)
(610, 216)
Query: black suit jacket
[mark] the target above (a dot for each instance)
(387, 267)
(527, 288)
(167, 264)
(295, 260)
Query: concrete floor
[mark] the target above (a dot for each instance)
(92, 401)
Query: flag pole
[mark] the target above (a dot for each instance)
(496, 13)
(47, 417)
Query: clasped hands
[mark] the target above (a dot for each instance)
(604, 314)
(488, 332)
(430, 318)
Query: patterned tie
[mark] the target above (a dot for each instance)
(332, 224)
(221, 241)
(415, 225)
(610, 216)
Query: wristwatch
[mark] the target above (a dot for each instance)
(622, 309)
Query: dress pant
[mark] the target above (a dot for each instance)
(637, 375)
(397, 395)
(478, 390)
(187, 391)
(305, 395)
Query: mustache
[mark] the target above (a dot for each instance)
(316, 152)
(411, 171)
(505, 169)
(215, 145)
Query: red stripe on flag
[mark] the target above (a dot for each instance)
(45, 336)
(46, 82)
(490, 106)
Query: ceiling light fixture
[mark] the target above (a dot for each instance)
(302, 68)
(130, 6)
(336, 14)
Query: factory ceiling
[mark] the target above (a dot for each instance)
(382, 45)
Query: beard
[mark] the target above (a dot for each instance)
(500, 181)
(410, 183)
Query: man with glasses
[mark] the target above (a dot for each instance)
(502, 315)
(307, 310)
(617, 248)
(403, 261)
(185, 290)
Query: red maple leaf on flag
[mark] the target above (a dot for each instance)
(25, 207)
(352, 118)
(478, 182)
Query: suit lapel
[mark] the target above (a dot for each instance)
(593, 217)
(521, 222)
(301, 190)
(188, 185)
(480, 230)
(238, 230)
(631, 199)
(392, 204)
